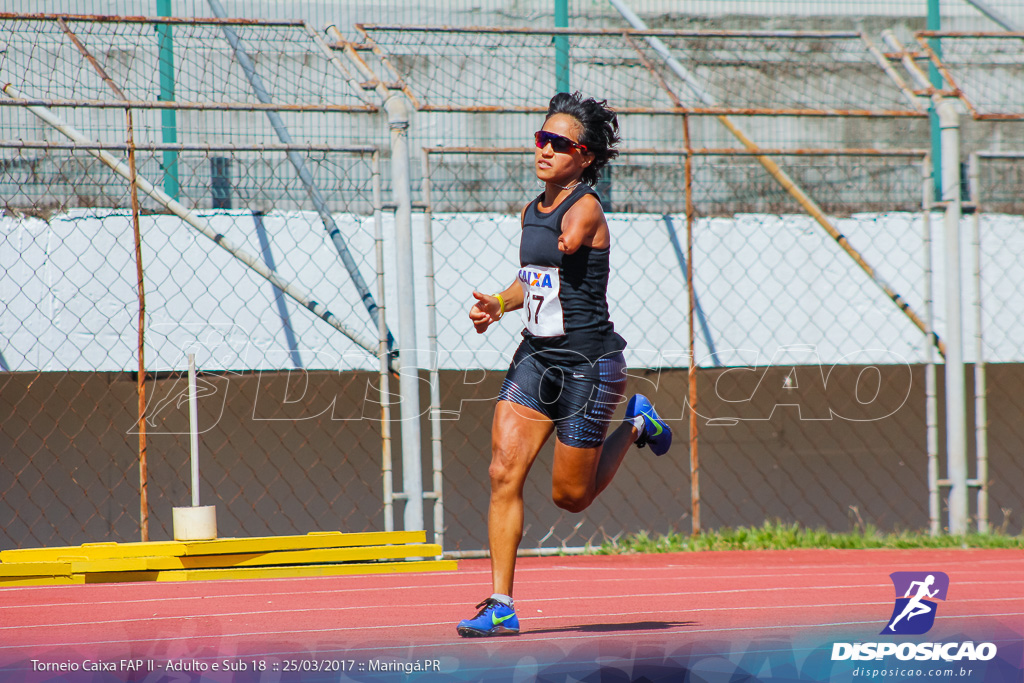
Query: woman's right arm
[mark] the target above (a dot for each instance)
(488, 307)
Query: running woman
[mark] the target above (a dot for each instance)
(568, 374)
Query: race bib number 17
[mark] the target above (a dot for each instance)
(542, 309)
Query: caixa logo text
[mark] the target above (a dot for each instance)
(949, 652)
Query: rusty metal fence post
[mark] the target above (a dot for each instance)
(133, 185)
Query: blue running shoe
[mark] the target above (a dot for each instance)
(495, 619)
(657, 433)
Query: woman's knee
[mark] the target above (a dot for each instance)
(506, 468)
(517, 435)
(572, 498)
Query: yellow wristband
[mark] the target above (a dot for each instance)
(501, 302)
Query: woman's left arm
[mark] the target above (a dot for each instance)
(583, 225)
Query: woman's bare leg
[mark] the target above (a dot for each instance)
(580, 474)
(517, 435)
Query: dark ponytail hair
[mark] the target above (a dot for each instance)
(600, 128)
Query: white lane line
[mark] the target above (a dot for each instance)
(525, 613)
(529, 586)
(470, 641)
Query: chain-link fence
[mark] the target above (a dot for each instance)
(271, 453)
(908, 15)
(731, 72)
(803, 360)
(771, 182)
(129, 242)
(997, 250)
(980, 68)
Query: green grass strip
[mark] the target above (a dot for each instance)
(776, 535)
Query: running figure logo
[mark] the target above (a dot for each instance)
(914, 612)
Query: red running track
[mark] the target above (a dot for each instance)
(604, 603)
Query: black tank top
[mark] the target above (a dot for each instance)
(582, 281)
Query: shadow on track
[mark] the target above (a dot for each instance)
(613, 628)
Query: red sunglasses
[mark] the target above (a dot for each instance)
(559, 143)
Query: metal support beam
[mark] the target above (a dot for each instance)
(245, 61)
(980, 369)
(132, 178)
(955, 382)
(934, 23)
(931, 407)
(561, 46)
(437, 464)
(168, 117)
(387, 474)
(409, 383)
(397, 108)
(995, 15)
(956, 391)
(192, 219)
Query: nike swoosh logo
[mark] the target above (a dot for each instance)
(496, 620)
(656, 425)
